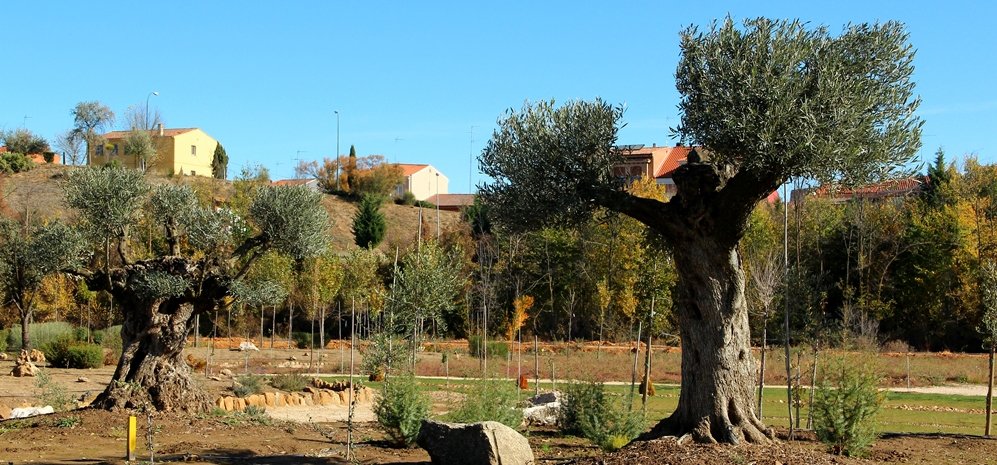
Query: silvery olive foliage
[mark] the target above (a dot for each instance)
(107, 198)
(291, 220)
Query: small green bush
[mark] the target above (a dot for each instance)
(291, 382)
(53, 393)
(248, 385)
(301, 340)
(408, 198)
(400, 408)
(11, 162)
(40, 333)
(3, 340)
(489, 401)
(495, 348)
(66, 352)
(110, 338)
(587, 410)
(84, 355)
(845, 407)
(384, 350)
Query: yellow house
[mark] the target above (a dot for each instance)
(183, 151)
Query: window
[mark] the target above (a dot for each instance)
(193, 173)
(193, 150)
(99, 151)
(114, 149)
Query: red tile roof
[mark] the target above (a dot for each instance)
(675, 158)
(154, 132)
(410, 169)
(3, 149)
(890, 188)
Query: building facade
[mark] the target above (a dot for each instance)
(183, 151)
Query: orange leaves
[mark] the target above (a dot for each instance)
(520, 305)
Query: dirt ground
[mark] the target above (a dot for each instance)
(311, 435)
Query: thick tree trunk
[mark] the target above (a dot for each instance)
(151, 371)
(716, 403)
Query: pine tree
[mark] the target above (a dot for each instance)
(368, 222)
(351, 170)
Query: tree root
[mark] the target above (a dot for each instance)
(733, 431)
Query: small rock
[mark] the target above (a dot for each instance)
(3, 356)
(4, 412)
(215, 378)
(244, 346)
(226, 373)
(292, 358)
(82, 379)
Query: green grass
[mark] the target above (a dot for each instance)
(925, 413)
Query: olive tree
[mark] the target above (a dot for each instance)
(160, 296)
(762, 101)
(29, 253)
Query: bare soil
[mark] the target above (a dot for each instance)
(313, 435)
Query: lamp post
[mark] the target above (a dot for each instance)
(437, 207)
(337, 149)
(147, 97)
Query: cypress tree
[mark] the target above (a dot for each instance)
(369, 225)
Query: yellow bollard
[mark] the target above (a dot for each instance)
(131, 439)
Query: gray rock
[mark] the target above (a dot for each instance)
(546, 398)
(490, 443)
(226, 372)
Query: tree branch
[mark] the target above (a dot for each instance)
(655, 214)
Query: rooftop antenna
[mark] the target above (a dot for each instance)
(395, 150)
(24, 122)
(470, 164)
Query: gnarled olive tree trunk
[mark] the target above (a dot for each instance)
(152, 371)
(717, 397)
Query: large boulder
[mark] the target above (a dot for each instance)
(490, 443)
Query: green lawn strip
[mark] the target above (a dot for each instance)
(902, 412)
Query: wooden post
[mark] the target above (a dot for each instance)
(990, 391)
(536, 361)
(633, 372)
(130, 443)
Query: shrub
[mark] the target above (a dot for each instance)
(41, 334)
(400, 408)
(424, 204)
(489, 401)
(291, 382)
(301, 339)
(589, 411)
(66, 352)
(248, 385)
(11, 162)
(53, 393)
(845, 406)
(383, 351)
(110, 338)
(3, 340)
(495, 348)
(84, 355)
(408, 198)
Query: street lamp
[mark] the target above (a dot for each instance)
(437, 207)
(147, 126)
(337, 149)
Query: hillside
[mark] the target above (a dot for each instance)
(38, 193)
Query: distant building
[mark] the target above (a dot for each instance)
(890, 189)
(186, 151)
(655, 162)
(309, 183)
(423, 181)
(452, 202)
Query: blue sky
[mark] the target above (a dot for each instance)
(411, 79)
